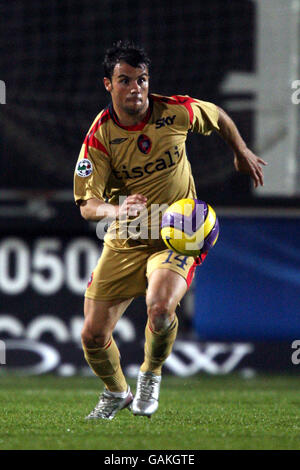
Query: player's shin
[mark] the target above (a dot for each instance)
(158, 346)
(105, 363)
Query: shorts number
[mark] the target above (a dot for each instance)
(182, 259)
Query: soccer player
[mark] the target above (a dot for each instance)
(136, 148)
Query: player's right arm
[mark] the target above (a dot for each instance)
(95, 209)
(91, 176)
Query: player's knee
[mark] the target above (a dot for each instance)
(160, 315)
(93, 339)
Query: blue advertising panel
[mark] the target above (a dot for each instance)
(249, 286)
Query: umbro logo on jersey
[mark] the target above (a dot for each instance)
(118, 141)
(164, 121)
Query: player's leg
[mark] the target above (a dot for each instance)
(117, 277)
(169, 276)
(116, 280)
(102, 354)
(166, 289)
(100, 349)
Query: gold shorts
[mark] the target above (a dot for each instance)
(124, 275)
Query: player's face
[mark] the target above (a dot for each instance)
(129, 87)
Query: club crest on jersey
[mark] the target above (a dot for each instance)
(84, 168)
(144, 143)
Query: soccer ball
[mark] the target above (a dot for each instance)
(190, 227)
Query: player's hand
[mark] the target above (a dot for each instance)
(247, 162)
(133, 205)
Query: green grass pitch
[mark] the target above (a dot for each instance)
(195, 413)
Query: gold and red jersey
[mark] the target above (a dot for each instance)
(149, 158)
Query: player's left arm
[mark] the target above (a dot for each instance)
(245, 160)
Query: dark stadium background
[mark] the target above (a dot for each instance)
(50, 61)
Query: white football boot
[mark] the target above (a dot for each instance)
(145, 402)
(109, 405)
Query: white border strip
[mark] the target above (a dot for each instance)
(289, 212)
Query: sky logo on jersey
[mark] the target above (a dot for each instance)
(84, 168)
(165, 121)
(144, 144)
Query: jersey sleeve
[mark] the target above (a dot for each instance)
(92, 172)
(204, 117)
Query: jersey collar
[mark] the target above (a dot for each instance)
(138, 127)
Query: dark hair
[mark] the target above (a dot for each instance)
(128, 52)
